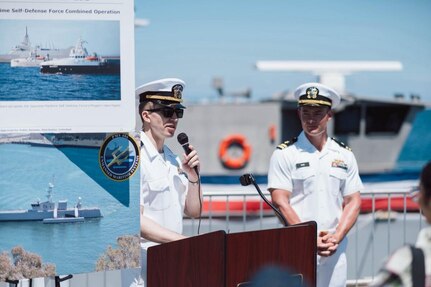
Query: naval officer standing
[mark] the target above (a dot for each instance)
(315, 177)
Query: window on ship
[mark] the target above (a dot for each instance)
(385, 118)
(347, 122)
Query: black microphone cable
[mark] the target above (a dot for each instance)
(183, 139)
(200, 203)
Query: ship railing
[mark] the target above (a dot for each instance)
(389, 219)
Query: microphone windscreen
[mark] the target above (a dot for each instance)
(182, 138)
(245, 179)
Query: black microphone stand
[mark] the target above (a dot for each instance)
(247, 179)
(58, 280)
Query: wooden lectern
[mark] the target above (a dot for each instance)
(218, 259)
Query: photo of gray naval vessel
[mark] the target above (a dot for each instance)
(24, 49)
(52, 212)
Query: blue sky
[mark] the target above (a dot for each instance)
(199, 40)
(103, 37)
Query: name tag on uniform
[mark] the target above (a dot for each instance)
(302, 164)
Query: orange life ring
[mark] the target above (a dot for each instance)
(234, 162)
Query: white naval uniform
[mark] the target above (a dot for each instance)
(163, 191)
(318, 181)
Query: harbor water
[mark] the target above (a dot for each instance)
(27, 84)
(72, 247)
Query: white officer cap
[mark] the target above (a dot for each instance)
(316, 94)
(164, 92)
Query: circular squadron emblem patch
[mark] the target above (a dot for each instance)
(119, 157)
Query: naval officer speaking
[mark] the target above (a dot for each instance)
(170, 187)
(315, 177)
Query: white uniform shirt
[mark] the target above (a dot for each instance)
(163, 188)
(317, 180)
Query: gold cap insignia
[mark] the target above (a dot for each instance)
(177, 91)
(312, 92)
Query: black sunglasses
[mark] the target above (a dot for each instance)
(169, 112)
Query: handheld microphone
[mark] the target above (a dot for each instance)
(183, 139)
(248, 179)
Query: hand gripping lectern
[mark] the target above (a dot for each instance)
(218, 259)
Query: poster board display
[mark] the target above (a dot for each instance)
(66, 65)
(69, 183)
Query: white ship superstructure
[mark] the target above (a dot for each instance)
(34, 59)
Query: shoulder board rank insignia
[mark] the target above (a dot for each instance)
(341, 144)
(287, 143)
